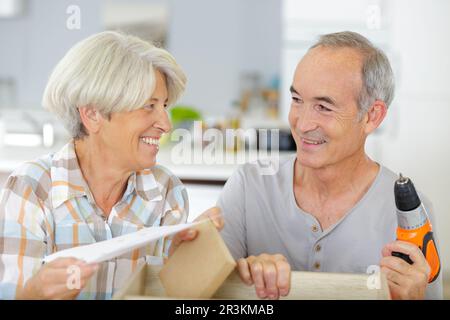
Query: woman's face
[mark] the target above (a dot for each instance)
(134, 136)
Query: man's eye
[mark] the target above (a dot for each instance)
(323, 108)
(296, 100)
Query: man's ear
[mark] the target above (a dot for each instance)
(91, 119)
(375, 116)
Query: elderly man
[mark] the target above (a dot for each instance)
(330, 208)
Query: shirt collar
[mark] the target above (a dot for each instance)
(68, 181)
(146, 185)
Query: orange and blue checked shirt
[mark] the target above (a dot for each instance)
(46, 206)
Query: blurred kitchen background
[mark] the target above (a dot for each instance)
(239, 56)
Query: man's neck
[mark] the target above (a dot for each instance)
(328, 193)
(333, 180)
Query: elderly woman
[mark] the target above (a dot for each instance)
(112, 92)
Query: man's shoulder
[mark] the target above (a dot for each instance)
(386, 182)
(388, 178)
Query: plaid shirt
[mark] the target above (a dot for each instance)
(46, 206)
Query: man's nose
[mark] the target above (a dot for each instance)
(305, 120)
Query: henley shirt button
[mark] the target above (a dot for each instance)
(315, 228)
(317, 265)
(318, 248)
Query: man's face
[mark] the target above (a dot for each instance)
(324, 116)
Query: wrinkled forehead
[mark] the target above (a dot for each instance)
(330, 71)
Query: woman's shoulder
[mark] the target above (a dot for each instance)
(41, 165)
(33, 174)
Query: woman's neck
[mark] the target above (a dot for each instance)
(106, 179)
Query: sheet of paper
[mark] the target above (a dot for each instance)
(109, 249)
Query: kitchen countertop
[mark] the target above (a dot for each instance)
(11, 157)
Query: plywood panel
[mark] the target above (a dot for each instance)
(304, 286)
(199, 267)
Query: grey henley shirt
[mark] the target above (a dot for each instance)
(262, 216)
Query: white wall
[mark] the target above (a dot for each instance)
(31, 45)
(215, 40)
(417, 142)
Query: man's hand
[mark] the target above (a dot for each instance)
(406, 281)
(271, 274)
(213, 214)
(52, 280)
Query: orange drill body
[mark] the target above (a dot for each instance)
(414, 226)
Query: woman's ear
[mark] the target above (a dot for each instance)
(375, 116)
(91, 119)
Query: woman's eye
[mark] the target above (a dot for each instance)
(152, 106)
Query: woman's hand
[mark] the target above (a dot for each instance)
(62, 278)
(213, 214)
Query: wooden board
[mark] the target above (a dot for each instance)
(145, 284)
(203, 268)
(199, 267)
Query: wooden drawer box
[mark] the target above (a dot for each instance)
(145, 284)
(204, 268)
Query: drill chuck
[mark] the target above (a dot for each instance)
(406, 198)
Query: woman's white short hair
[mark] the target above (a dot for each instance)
(111, 72)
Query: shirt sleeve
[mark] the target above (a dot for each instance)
(176, 209)
(232, 204)
(434, 290)
(23, 235)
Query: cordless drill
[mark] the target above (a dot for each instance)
(414, 226)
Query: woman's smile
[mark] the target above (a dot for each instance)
(150, 142)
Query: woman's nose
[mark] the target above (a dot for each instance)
(163, 122)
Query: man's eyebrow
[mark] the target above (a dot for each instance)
(326, 99)
(293, 90)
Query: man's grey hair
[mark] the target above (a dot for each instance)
(377, 75)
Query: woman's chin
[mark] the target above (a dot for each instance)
(147, 156)
(148, 163)
(146, 160)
